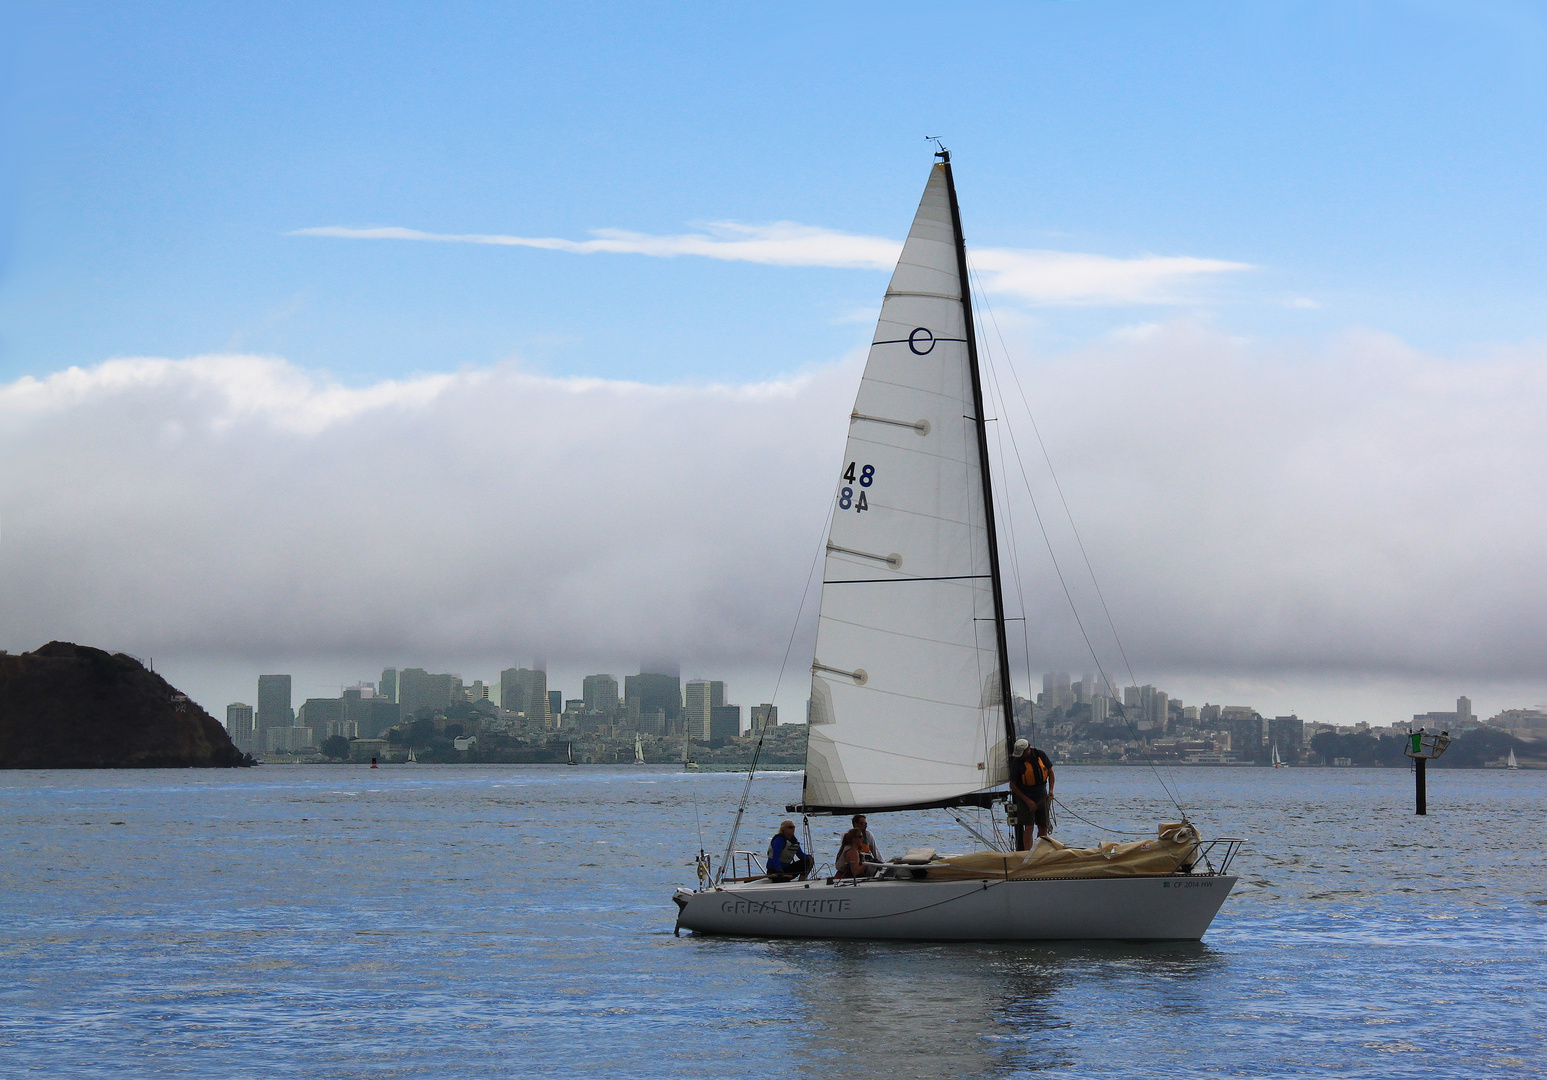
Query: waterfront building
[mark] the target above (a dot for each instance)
(1288, 734)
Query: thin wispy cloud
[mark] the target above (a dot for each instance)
(1031, 275)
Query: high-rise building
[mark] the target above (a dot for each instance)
(696, 710)
(1100, 709)
(387, 688)
(600, 693)
(555, 702)
(764, 716)
(1159, 708)
(1464, 709)
(525, 691)
(418, 689)
(1288, 734)
(654, 691)
(326, 718)
(239, 725)
(1245, 726)
(724, 722)
(274, 702)
(716, 693)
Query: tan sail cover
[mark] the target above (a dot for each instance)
(1050, 859)
(905, 688)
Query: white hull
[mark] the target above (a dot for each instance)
(1172, 908)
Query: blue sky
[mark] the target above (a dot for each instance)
(471, 333)
(1382, 161)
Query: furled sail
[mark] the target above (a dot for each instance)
(907, 683)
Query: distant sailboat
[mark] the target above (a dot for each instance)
(413, 758)
(571, 760)
(688, 764)
(639, 750)
(1512, 763)
(1278, 762)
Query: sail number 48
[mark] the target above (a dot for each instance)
(865, 477)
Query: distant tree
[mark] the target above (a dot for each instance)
(1481, 746)
(335, 746)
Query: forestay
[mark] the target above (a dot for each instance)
(906, 688)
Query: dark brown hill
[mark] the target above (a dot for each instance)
(70, 706)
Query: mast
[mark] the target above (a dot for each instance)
(1006, 695)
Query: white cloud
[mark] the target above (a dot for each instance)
(1068, 277)
(1367, 512)
(1037, 277)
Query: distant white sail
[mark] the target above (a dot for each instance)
(906, 687)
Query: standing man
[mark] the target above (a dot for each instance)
(870, 851)
(1031, 782)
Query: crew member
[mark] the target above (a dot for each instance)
(869, 849)
(1031, 782)
(785, 859)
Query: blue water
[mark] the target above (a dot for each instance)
(491, 921)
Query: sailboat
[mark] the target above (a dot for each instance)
(688, 764)
(413, 758)
(639, 749)
(571, 760)
(910, 679)
(1278, 762)
(1512, 763)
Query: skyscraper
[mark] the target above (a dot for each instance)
(555, 702)
(654, 691)
(525, 691)
(274, 702)
(696, 710)
(764, 716)
(724, 722)
(1463, 710)
(239, 725)
(600, 693)
(1287, 733)
(418, 689)
(387, 688)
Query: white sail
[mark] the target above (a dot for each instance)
(906, 685)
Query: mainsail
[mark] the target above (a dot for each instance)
(909, 683)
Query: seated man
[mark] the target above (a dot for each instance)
(869, 849)
(1031, 782)
(785, 859)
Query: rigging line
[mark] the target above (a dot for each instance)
(1015, 564)
(1065, 808)
(1069, 596)
(1073, 528)
(1060, 489)
(757, 751)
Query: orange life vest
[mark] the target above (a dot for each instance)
(1033, 772)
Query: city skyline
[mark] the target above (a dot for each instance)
(575, 380)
